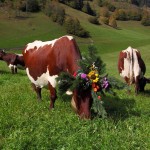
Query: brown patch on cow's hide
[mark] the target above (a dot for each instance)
(66, 54)
(122, 55)
(36, 61)
(127, 80)
(141, 63)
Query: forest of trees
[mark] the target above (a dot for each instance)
(108, 13)
(137, 2)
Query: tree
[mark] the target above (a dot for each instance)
(55, 11)
(145, 19)
(8, 7)
(122, 15)
(30, 5)
(17, 6)
(2, 1)
(42, 4)
(77, 4)
(104, 20)
(134, 15)
(87, 9)
(58, 14)
(93, 20)
(112, 22)
(73, 27)
(100, 3)
(104, 12)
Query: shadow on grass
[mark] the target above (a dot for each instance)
(24, 17)
(120, 109)
(4, 72)
(146, 93)
(116, 108)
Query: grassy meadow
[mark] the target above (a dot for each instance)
(26, 124)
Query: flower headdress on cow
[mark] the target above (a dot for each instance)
(90, 75)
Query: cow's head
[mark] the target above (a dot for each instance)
(87, 89)
(142, 83)
(2, 53)
(82, 102)
(80, 91)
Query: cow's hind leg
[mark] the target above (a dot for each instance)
(15, 69)
(137, 88)
(38, 91)
(53, 95)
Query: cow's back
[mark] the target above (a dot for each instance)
(45, 60)
(131, 65)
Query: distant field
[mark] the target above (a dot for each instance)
(27, 124)
(18, 32)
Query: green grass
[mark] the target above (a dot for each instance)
(28, 124)
(23, 31)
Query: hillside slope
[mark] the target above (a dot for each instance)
(39, 27)
(109, 39)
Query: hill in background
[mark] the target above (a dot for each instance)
(18, 27)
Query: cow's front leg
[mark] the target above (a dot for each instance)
(11, 66)
(38, 91)
(12, 69)
(129, 84)
(15, 69)
(53, 95)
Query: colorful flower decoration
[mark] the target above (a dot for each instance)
(90, 76)
(105, 84)
(93, 76)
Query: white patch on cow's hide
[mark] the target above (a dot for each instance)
(69, 37)
(11, 66)
(73, 104)
(19, 54)
(39, 44)
(136, 69)
(43, 79)
(131, 69)
(69, 92)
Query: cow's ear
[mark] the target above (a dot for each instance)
(147, 80)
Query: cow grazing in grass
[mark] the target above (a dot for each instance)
(12, 60)
(44, 61)
(132, 68)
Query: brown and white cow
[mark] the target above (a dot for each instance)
(44, 61)
(12, 60)
(132, 68)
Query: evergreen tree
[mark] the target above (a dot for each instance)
(30, 5)
(87, 9)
